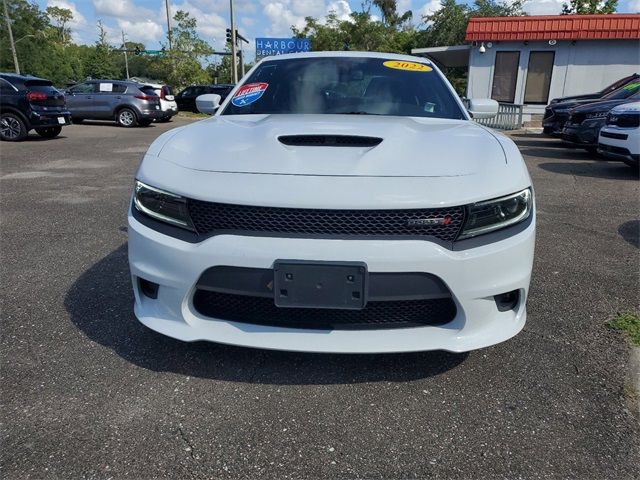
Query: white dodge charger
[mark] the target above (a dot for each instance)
(335, 202)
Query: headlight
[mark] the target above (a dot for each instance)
(161, 205)
(597, 115)
(485, 217)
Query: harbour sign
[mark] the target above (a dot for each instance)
(266, 47)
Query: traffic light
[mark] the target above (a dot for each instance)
(137, 50)
(229, 36)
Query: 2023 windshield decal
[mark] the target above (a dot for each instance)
(249, 93)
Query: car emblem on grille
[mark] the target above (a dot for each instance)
(424, 222)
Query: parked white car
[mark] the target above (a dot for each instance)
(620, 138)
(168, 104)
(335, 202)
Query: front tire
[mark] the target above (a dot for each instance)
(127, 118)
(77, 120)
(49, 132)
(12, 128)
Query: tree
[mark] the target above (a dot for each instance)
(183, 63)
(447, 26)
(61, 16)
(28, 25)
(360, 32)
(101, 62)
(390, 15)
(585, 7)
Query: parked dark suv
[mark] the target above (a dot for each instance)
(186, 99)
(30, 103)
(128, 103)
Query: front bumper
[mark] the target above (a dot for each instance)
(553, 123)
(620, 144)
(474, 276)
(583, 135)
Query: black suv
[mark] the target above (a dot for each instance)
(186, 99)
(30, 103)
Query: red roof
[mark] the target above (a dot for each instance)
(556, 27)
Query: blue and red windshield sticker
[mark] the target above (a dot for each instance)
(248, 94)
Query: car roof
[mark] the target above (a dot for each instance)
(21, 78)
(126, 82)
(349, 54)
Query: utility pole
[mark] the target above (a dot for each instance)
(169, 35)
(234, 58)
(126, 59)
(13, 45)
(241, 62)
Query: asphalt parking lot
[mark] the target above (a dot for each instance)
(88, 392)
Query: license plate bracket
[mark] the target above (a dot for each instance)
(330, 285)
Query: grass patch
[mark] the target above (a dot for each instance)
(629, 323)
(192, 115)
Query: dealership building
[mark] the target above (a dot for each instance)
(530, 60)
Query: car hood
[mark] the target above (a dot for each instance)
(574, 98)
(571, 104)
(599, 106)
(410, 147)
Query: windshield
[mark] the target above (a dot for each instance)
(624, 92)
(345, 85)
(618, 84)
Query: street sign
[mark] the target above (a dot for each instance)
(152, 52)
(277, 46)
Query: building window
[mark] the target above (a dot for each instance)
(505, 75)
(539, 77)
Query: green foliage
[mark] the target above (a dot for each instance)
(448, 25)
(628, 322)
(182, 65)
(585, 7)
(60, 17)
(361, 33)
(101, 62)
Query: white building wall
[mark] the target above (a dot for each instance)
(583, 66)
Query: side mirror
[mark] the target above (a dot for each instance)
(208, 103)
(483, 108)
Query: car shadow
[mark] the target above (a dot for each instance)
(109, 123)
(100, 304)
(598, 169)
(34, 137)
(630, 232)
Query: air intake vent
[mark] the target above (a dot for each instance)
(329, 140)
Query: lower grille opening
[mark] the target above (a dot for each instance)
(507, 301)
(148, 288)
(376, 315)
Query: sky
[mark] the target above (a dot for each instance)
(145, 20)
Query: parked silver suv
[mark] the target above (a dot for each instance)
(128, 103)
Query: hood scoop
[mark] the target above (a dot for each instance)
(329, 140)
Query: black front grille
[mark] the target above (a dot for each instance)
(216, 218)
(576, 118)
(376, 315)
